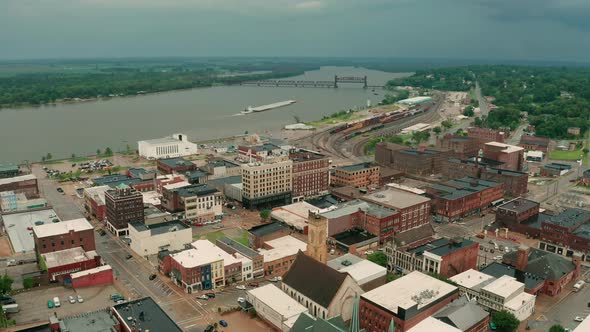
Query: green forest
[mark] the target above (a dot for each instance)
(551, 98)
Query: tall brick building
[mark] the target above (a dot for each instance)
(485, 135)
(420, 161)
(461, 147)
(457, 198)
(64, 235)
(359, 175)
(414, 210)
(124, 204)
(175, 165)
(311, 173)
(511, 156)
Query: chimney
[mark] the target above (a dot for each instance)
(522, 257)
(577, 260)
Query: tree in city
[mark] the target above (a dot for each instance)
(28, 282)
(585, 150)
(43, 159)
(128, 149)
(557, 328)
(5, 284)
(378, 257)
(469, 111)
(437, 130)
(98, 152)
(420, 136)
(505, 321)
(391, 277)
(264, 214)
(108, 152)
(73, 156)
(49, 156)
(447, 124)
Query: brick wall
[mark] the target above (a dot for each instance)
(460, 261)
(95, 279)
(84, 239)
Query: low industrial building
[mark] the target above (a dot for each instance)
(407, 300)
(19, 227)
(359, 176)
(281, 254)
(175, 165)
(143, 314)
(294, 215)
(555, 169)
(446, 257)
(115, 180)
(324, 291)
(367, 274)
(176, 145)
(496, 294)
(64, 235)
(60, 264)
(13, 202)
(275, 307)
(260, 234)
(511, 156)
(534, 143)
(415, 100)
(148, 240)
(420, 161)
(459, 198)
(100, 275)
(485, 135)
(25, 184)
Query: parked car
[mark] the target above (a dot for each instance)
(209, 328)
(242, 287)
(80, 299)
(50, 304)
(56, 302)
(203, 297)
(579, 319)
(241, 299)
(72, 299)
(152, 277)
(211, 295)
(59, 190)
(128, 256)
(276, 279)
(499, 257)
(223, 323)
(102, 232)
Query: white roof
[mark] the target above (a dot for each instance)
(176, 185)
(534, 154)
(504, 286)
(67, 256)
(151, 197)
(276, 299)
(518, 301)
(507, 147)
(294, 214)
(90, 271)
(431, 324)
(416, 127)
(64, 227)
(16, 226)
(282, 247)
(470, 278)
(584, 325)
(395, 198)
(97, 193)
(361, 270)
(410, 290)
(163, 140)
(18, 179)
(406, 188)
(203, 252)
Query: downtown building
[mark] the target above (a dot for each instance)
(123, 205)
(176, 145)
(419, 161)
(198, 202)
(266, 185)
(311, 174)
(359, 175)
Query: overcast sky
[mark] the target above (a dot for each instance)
(464, 29)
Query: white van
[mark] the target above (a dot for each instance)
(56, 302)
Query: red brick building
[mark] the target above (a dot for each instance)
(175, 165)
(460, 146)
(359, 175)
(405, 301)
(462, 197)
(511, 157)
(124, 204)
(421, 161)
(100, 275)
(517, 213)
(64, 235)
(94, 202)
(566, 233)
(534, 143)
(485, 135)
(260, 152)
(60, 264)
(414, 210)
(311, 174)
(26, 184)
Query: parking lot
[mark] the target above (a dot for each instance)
(33, 304)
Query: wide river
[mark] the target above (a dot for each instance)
(30, 132)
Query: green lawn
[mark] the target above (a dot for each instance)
(243, 238)
(566, 155)
(214, 236)
(79, 159)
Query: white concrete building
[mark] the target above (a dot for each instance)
(431, 324)
(173, 146)
(150, 239)
(367, 274)
(275, 306)
(247, 267)
(504, 293)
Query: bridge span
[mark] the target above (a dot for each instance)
(312, 84)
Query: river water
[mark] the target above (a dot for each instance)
(30, 132)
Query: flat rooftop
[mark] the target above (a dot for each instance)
(431, 324)
(17, 224)
(361, 270)
(268, 228)
(64, 227)
(238, 247)
(506, 147)
(177, 185)
(203, 252)
(442, 247)
(395, 199)
(222, 163)
(517, 302)
(415, 289)
(282, 247)
(295, 214)
(198, 190)
(278, 300)
(357, 167)
(221, 182)
(147, 315)
(503, 286)
(115, 180)
(570, 218)
(95, 321)
(519, 205)
(97, 193)
(471, 278)
(176, 162)
(459, 188)
(67, 256)
(263, 147)
(161, 228)
(498, 270)
(91, 271)
(9, 168)
(27, 177)
(163, 140)
(351, 207)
